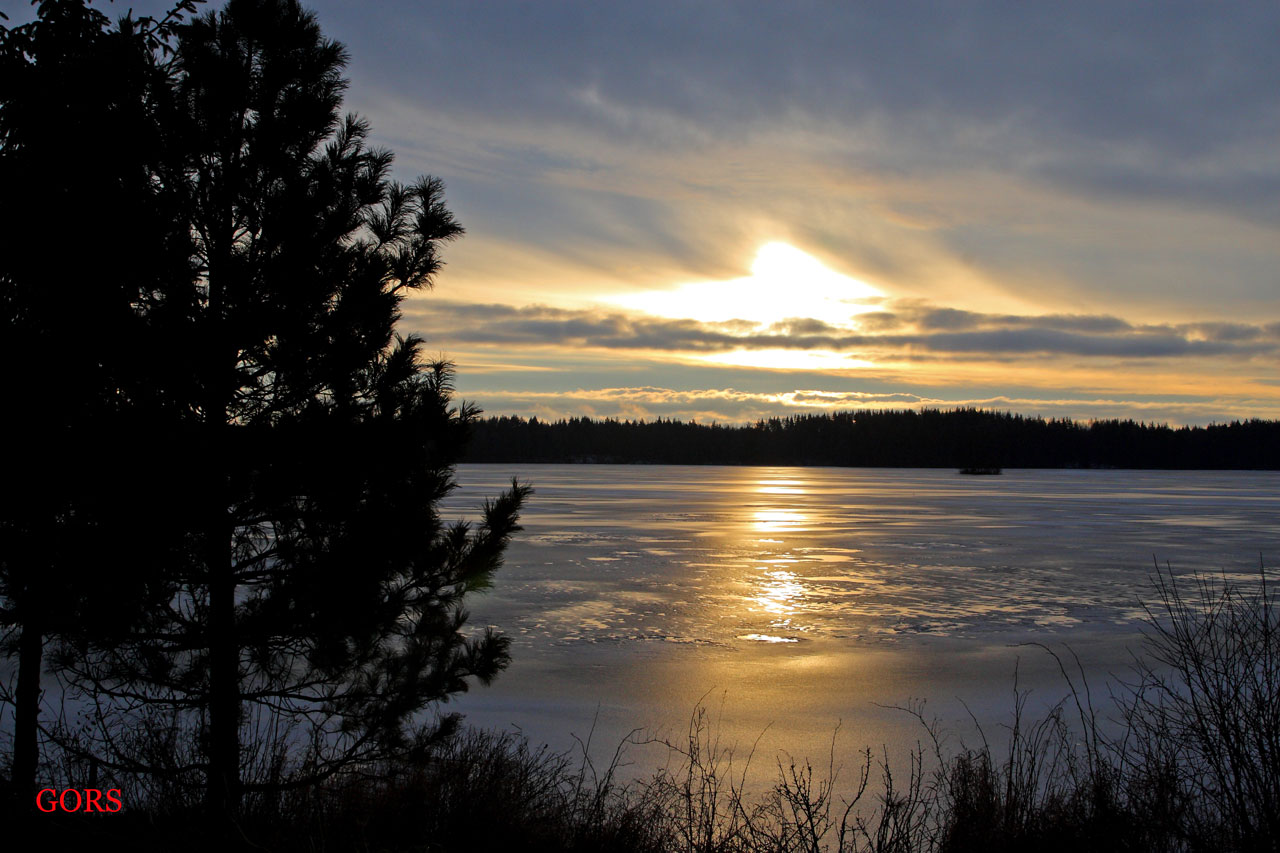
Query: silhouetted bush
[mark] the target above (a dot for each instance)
(1190, 764)
(1204, 718)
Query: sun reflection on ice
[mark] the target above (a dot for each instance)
(774, 520)
(768, 638)
(774, 591)
(781, 592)
(781, 595)
(780, 487)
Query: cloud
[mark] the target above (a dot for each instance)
(1183, 80)
(1072, 156)
(1088, 188)
(1178, 103)
(907, 331)
(729, 405)
(932, 318)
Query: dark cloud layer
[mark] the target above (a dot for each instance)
(911, 328)
(1176, 73)
(1171, 99)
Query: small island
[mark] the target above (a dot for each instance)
(981, 469)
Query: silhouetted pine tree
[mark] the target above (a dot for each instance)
(76, 142)
(316, 604)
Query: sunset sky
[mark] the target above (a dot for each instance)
(724, 211)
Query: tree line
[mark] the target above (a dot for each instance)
(219, 532)
(925, 438)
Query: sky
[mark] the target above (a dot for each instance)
(726, 211)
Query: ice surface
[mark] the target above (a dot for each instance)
(805, 596)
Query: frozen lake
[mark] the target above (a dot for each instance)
(798, 599)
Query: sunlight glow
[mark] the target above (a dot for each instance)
(787, 359)
(784, 283)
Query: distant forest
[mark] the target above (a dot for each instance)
(928, 438)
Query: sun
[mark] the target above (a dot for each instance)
(785, 283)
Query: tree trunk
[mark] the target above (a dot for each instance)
(223, 778)
(27, 713)
(224, 675)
